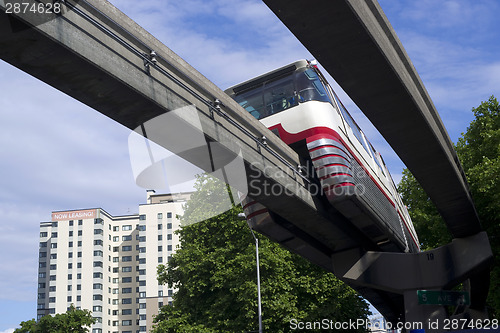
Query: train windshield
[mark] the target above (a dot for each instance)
(277, 94)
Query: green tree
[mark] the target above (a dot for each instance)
(215, 273)
(73, 321)
(479, 152)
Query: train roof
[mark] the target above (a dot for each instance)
(264, 77)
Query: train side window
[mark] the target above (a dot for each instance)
(376, 157)
(355, 129)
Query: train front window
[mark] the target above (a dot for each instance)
(253, 102)
(269, 98)
(280, 93)
(309, 87)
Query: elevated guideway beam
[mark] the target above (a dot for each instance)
(99, 56)
(356, 44)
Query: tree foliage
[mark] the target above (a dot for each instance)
(214, 272)
(479, 152)
(73, 321)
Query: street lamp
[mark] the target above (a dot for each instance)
(242, 216)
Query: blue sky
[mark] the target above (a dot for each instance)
(59, 154)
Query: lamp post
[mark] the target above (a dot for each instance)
(242, 216)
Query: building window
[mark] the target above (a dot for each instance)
(142, 260)
(69, 298)
(126, 227)
(160, 260)
(126, 258)
(169, 215)
(52, 288)
(54, 224)
(97, 263)
(115, 302)
(127, 238)
(142, 217)
(126, 290)
(78, 298)
(43, 234)
(42, 275)
(115, 269)
(127, 248)
(97, 286)
(160, 293)
(127, 301)
(127, 269)
(41, 285)
(79, 254)
(160, 248)
(169, 225)
(70, 254)
(52, 278)
(142, 250)
(70, 276)
(116, 291)
(41, 295)
(78, 287)
(116, 248)
(70, 266)
(116, 238)
(70, 234)
(160, 216)
(116, 228)
(54, 235)
(126, 312)
(70, 223)
(79, 243)
(70, 244)
(80, 222)
(43, 244)
(80, 233)
(97, 297)
(70, 287)
(79, 276)
(98, 232)
(42, 265)
(126, 322)
(52, 299)
(53, 267)
(53, 245)
(160, 226)
(160, 237)
(127, 279)
(98, 242)
(169, 247)
(116, 259)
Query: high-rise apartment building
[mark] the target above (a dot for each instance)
(107, 264)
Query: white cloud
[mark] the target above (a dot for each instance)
(9, 330)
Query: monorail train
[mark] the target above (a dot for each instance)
(298, 105)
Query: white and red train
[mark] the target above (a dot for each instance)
(297, 104)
